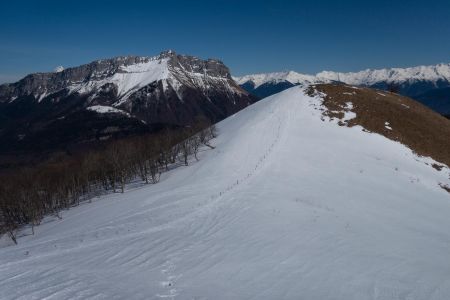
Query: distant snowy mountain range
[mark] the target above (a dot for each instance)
(428, 84)
(114, 96)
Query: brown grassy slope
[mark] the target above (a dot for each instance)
(414, 125)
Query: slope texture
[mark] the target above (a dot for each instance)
(287, 206)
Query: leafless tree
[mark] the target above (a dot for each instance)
(28, 194)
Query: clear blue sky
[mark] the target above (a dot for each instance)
(249, 36)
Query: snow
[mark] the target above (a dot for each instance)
(287, 206)
(5, 241)
(367, 77)
(59, 69)
(290, 76)
(387, 125)
(348, 113)
(40, 97)
(397, 75)
(130, 78)
(102, 109)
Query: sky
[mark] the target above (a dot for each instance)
(248, 36)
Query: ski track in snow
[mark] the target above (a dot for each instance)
(284, 207)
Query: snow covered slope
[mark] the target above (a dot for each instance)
(127, 78)
(287, 206)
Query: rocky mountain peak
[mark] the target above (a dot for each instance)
(130, 93)
(42, 84)
(58, 69)
(167, 53)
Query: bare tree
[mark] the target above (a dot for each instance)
(28, 194)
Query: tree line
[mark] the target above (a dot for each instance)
(28, 194)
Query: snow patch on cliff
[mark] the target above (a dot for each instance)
(102, 109)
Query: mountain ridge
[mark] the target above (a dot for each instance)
(73, 77)
(368, 76)
(427, 84)
(117, 95)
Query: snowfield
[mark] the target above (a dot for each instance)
(130, 78)
(287, 206)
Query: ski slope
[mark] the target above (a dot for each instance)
(287, 206)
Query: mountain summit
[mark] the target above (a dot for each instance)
(117, 95)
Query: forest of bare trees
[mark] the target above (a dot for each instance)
(29, 194)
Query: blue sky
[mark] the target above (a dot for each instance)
(249, 36)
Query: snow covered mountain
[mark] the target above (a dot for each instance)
(289, 76)
(125, 76)
(308, 194)
(417, 82)
(436, 73)
(117, 95)
(266, 84)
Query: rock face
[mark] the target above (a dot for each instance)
(46, 110)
